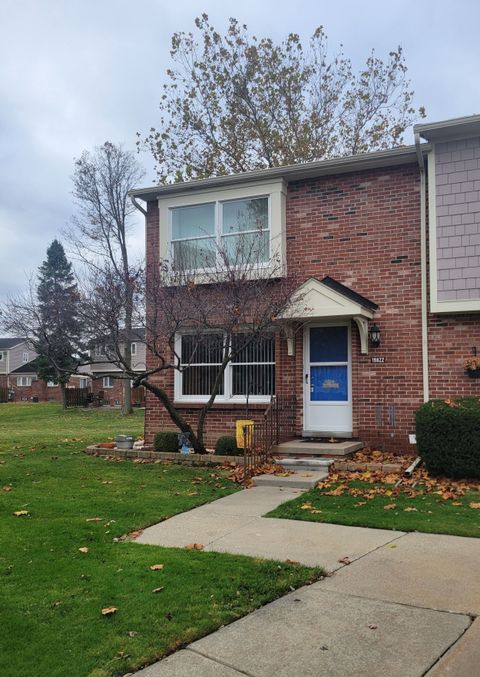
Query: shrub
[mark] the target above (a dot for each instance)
(166, 441)
(448, 437)
(226, 446)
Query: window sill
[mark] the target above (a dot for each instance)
(254, 406)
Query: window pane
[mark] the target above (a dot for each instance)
(247, 247)
(200, 380)
(329, 384)
(329, 344)
(195, 221)
(194, 254)
(207, 349)
(254, 379)
(241, 215)
(262, 349)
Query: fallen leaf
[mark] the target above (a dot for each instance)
(94, 519)
(315, 511)
(360, 503)
(457, 503)
(306, 506)
(372, 626)
(390, 506)
(83, 549)
(293, 562)
(345, 560)
(21, 513)
(158, 589)
(474, 506)
(109, 611)
(7, 488)
(392, 545)
(410, 509)
(194, 546)
(157, 567)
(135, 534)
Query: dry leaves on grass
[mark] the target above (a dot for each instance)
(21, 513)
(157, 567)
(84, 549)
(474, 506)
(420, 484)
(109, 610)
(7, 488)
(194, 546)
(94, 519)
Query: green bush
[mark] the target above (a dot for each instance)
(448, 437)
(166, 441)
(226, 446)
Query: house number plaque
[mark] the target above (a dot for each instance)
(377, 360)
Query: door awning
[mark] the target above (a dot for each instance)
(329, 299)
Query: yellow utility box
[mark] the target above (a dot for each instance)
(244, 432)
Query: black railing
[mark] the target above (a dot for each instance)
(278, 425)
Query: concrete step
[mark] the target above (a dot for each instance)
(308, 448)
(302, 464)
(296, 480)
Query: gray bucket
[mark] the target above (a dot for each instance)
(124, 442)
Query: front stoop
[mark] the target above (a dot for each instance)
(296, 480)
(307, 448)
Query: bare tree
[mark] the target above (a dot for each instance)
(207, 318)
(234, 102)
(99, 231)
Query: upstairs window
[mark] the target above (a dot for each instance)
(234, 230)
(251, 372)
(25, 357)
(133, 348)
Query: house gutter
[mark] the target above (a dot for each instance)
(423, 265)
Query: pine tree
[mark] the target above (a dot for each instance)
(58, 337)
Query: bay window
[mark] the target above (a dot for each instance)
(250, 372)
(237, 231)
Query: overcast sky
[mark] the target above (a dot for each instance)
(76, 73)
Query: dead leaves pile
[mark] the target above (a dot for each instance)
(382, 457)
(236, 473)
(384, 484)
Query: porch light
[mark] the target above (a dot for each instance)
(375, 335)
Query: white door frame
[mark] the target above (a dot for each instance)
(306, 386)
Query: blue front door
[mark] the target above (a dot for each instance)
(328, 406)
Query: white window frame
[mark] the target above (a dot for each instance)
(51, 384)
(274, 190)
(227, 396)
(133, 348)
(24, 381)
(218, 233)
(109, 380)
(25, 357)
(83, 382)
(99, 351)
(2, 354)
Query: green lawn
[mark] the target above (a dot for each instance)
(52, 594)
(424, 511)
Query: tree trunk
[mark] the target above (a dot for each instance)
(63, 390)
(127, 397)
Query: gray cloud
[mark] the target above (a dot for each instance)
(75, 74)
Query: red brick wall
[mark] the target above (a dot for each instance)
(363, 230)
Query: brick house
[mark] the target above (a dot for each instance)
(388, 241)
(105, 375)
(18, 373)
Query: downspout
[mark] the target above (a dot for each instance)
(423, 266)
(137, 205)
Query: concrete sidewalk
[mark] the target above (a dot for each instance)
(405, 607)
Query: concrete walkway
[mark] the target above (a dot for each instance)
(405, 606)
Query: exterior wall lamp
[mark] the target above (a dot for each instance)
(375, 335)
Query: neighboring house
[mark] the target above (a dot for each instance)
(105, 375)
(14, 353)
(18, 372)
(388, 240)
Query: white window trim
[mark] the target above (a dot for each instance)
(110, 378)
(275, 191)
(83, 380)
(51, 384)
(25, 357)
(227, 397)
(24, 381)
(133, 348)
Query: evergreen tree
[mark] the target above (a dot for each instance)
(57, 339)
